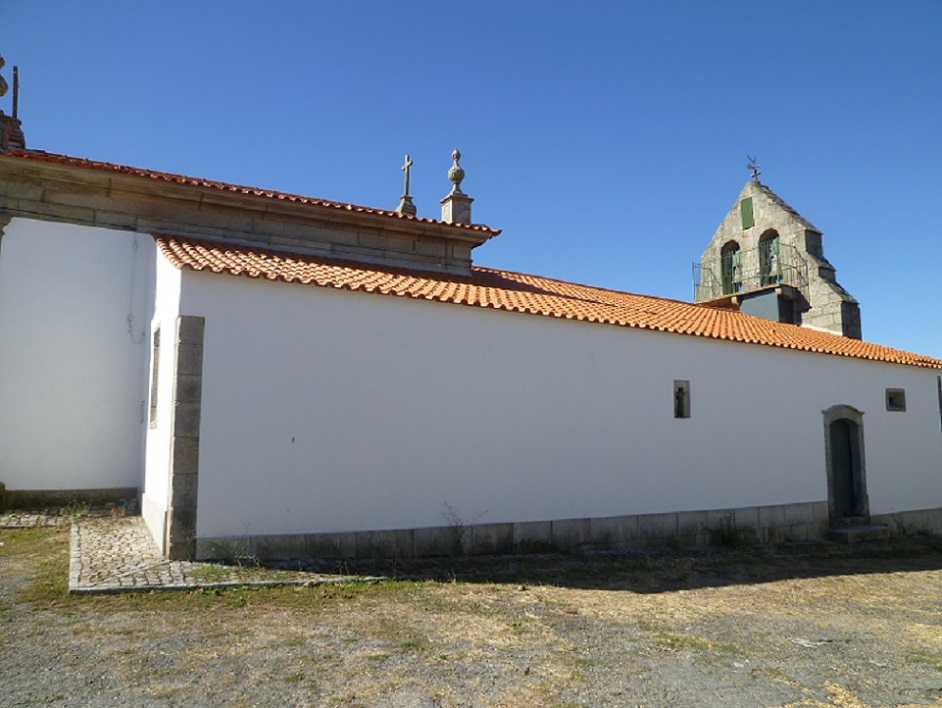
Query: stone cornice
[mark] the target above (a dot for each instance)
(146, 202)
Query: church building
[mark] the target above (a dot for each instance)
(300, 377)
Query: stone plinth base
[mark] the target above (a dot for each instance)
(764, 524)
(855, 534)
(907, 523)
(50, 498)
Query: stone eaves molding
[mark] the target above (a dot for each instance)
(96, 197)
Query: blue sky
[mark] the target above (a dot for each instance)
(606, 139)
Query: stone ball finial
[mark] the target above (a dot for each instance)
(3, 84)
(456, 174)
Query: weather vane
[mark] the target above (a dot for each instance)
(754, 166)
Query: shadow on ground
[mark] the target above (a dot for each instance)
(656, 571)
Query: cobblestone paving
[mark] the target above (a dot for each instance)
(30, 519)
(111, 552)
(119, 555)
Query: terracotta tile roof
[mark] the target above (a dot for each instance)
(517, 292)
(81, 162)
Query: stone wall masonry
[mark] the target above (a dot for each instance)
(905, 523)
(762, 524)
(184, 443)
(485, 539)
(90, 197)
(767, 216)
(832, 309)
(829, 306)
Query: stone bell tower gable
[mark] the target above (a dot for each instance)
(767, 260)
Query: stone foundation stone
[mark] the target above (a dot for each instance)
(906, 523)
(50, 498)
(782, 522)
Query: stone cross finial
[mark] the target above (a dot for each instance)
(754, 166)
(405, 201)
(456, 174)
(405, 168)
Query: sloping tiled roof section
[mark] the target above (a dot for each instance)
(518, 292)
(81, 162)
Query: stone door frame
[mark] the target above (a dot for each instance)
(861, 501)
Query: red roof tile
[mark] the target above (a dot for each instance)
(65, 160)
(518, 292)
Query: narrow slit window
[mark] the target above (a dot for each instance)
(896, 400)
(681, 399)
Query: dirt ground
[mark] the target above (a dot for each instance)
(790, 625)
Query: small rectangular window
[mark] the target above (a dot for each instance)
(896, 399)
(681, 399)
(153, 379)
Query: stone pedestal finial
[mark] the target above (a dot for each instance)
(456, 207)
(405, 201)
(11, 131)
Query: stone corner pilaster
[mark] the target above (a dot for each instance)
(180, 538)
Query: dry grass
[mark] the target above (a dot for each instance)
(799, 626)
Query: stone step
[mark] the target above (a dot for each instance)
(854, 534)
(848, 521)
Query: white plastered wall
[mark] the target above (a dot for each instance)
(166, 309)
(903, 449)
(331, 411)
(74, 313)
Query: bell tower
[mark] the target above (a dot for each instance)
(767, 260)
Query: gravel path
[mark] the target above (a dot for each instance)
(790, 626)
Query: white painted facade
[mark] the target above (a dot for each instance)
(329, 411)
(154, 500)
(325, 411)
(75, 307)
